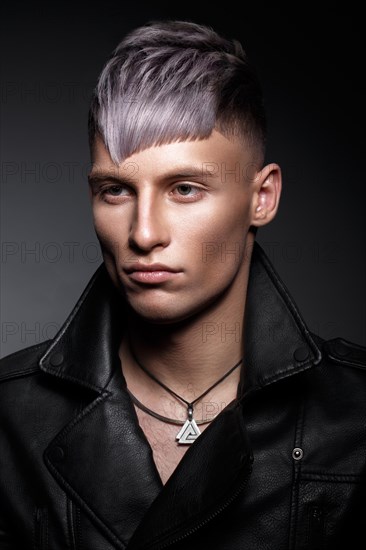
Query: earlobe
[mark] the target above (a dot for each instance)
(266, 196)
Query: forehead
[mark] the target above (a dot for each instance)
(209, 156)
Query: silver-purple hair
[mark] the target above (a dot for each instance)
(175, 81)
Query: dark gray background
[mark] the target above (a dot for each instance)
(310, 66)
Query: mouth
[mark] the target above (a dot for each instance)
(151, 273)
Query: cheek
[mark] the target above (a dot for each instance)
(109, 232)
(218, 238)
(110, 229)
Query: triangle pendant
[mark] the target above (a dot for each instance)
(188, 433)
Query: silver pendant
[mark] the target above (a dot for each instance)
(188, 433)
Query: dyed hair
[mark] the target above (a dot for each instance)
(175, 81)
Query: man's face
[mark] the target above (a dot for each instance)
(186, 206)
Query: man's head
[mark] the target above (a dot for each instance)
(177, 134)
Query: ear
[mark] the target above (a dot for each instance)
(266, 195)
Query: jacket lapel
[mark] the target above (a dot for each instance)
(101, 459)
(277, 342)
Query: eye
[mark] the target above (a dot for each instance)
(115, 190)
(185, 192)
(184, 188)
(114, 193)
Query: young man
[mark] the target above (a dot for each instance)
(184, 403)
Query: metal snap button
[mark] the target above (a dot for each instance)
(297, 453)
(57, 454)
(302, 353)
(56, 359)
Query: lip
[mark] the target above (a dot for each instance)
(150, 273)
(137, 266)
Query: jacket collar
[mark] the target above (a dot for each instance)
(277, 342)
(96, 320)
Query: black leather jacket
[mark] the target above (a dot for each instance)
(281, 467)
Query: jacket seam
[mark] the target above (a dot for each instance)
(18, 373)
(280, 375)
(76, 380)
(338, 478)
(348, 363)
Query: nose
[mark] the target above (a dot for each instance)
(149, 227)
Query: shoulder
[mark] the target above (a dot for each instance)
(22, 362)
(342, 352)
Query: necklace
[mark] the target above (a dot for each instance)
(160, 416)
(189, 431)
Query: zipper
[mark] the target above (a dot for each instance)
(40, 529)
(233, 496)
(73, 512)
(73, 516)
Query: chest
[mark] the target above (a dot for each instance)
(166, 451)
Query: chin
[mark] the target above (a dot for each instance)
(168, 311)
(159, 315)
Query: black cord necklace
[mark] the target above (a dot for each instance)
(160, 416)
(190, 431)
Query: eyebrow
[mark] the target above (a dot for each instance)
(95, 179)
(99, 177)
